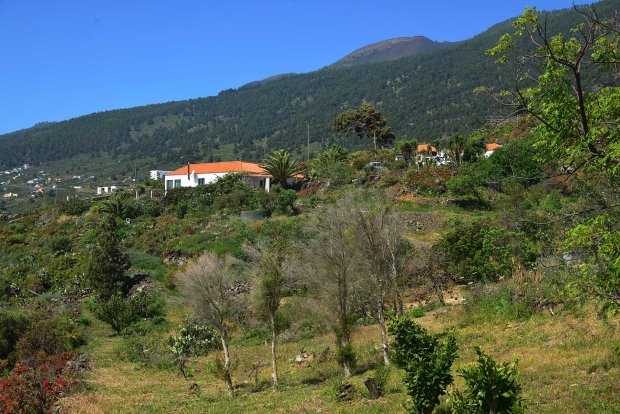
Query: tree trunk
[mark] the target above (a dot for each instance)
(274, 363)
(372, 388)
(384, 334)
(347, 368)
(439, 293)
(227, 376)
(346, 363)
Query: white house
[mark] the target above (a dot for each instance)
(193, 175)
(492, 147)
(157, 174)
(106, 190)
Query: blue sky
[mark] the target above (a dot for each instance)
(61, 59)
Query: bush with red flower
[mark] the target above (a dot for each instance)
(36, 384)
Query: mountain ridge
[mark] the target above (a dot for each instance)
(389, 49)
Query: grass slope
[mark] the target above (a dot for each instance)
(564, 362)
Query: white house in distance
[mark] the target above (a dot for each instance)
(193, 175)
(106, 190)
(157, 174)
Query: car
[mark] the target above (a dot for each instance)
(374, 166)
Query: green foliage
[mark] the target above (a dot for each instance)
(553, 202)
(192, 339)
(431, 180)
(426, 360)
(152, 264)
(107, 265)
(74, 206)
(285, 201)
(146, 349)
(228, 193)
(514, 164)
(572, 98)
(40, 328)
(13, 323)
(382, 376)
(115, 207)
(345, 354)
(456, 148)
(508, 302)
(599, 239)
(474, 147)
(477, 251)
(60, 243)
(121, 312)
(281, 165)
(367, 123)
(491, 388)
(330, 166)
(417, 312)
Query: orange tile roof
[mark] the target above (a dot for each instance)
(221, 167)
(424, 148)
(493, 146)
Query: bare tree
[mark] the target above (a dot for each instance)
(328, 262)
(271, 279)
(209, 283)
(382, 253)
(429, 269)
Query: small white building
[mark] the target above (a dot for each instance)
(106, 190)
(193, 175)
(157, 174)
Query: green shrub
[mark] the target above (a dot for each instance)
(417, 312)
(478, 251)
(285, 201)
(491, 388)
(382, 375)
(107, 265)
(553, 202)
(41, 328)
(60, 243)
(121, 312)
(426, 360)
(74, 206)
(192, 339)
(143, 207)
(13, 323)
(346, 353)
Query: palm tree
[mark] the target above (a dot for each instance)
(114, 207)
(281, 166)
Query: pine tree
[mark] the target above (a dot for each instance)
(107, 264)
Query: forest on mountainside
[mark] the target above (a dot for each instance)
(426, 97)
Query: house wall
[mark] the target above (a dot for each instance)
(176, 181)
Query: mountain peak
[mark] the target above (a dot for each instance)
(390, 49)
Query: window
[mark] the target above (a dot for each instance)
(177, 183)
(201, 181)
(169, 184)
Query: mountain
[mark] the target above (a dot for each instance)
(426, 96)
(390, 49)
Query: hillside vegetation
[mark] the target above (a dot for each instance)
(389, 280)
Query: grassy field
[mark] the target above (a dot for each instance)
(565, 363)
